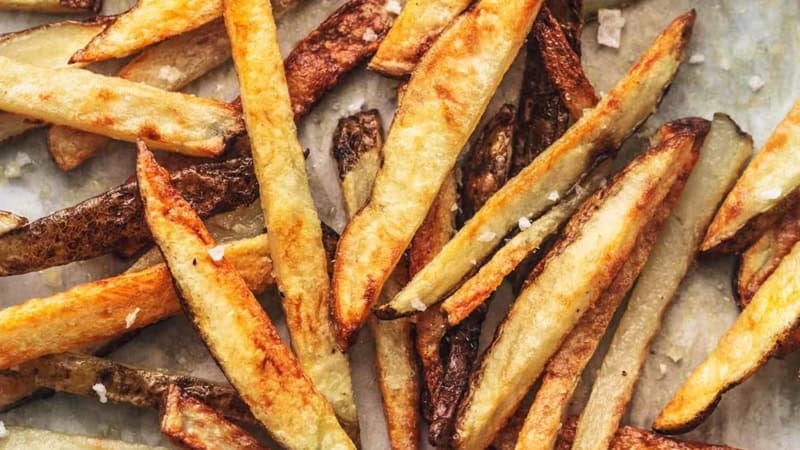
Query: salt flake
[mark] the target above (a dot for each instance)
(3, 430)
(393, 7)
(553, 196)
(771, 194)
(697, 58)
(609, 30)
(524, 223)
(418, 304)
(487, 236)
(131, 317)
(370, 35)
(216, 253)
(101, 391)
(756, 83)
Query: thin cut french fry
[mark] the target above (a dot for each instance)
(443, 102)
(295, 234)
(53, 6)
(554, 171)
(414, 31)
(231, 322)
(594, 246)
(118, 108)
(724, 153)
(169, 65)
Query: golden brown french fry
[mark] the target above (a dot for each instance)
(118, 108)
(770, 178)
(443, 102)
(722, 157)
(53, 6)
(47, 325)
(554, 172)
(295, 235)
(10, 221)
(191, 423)
(595, 245)
(20, 438)
(169, 65)
(231, 322)
(414, 31)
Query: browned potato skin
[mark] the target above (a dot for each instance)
(113, 221)
(55, 6)
(191, 423)
(632, 438)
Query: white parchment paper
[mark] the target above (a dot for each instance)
(739, 41)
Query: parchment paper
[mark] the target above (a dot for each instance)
(738, 39)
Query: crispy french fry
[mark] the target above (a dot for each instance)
(722, 158)
(48, 45)
(555, 171)
(118, 108)
(10, 222)
(113, 222)
(20, 438)
(152, 21)
(295, 235)
(47, 325)
(53, 6)
(769, 180)
(564, 369)
(193, 424)
(14, 390)
(169, 65)
(595, 245)
(357, 144)
(231, 322)
(443, 102)
(414, 31)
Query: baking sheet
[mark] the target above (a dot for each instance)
(741, 42)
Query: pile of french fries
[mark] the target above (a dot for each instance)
(535, 202)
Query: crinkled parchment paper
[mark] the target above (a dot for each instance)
(741, 42)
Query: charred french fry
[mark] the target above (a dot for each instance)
(595, 245)
(769, 181)
(169, 65)
(113, 222)
(722, 158)
(44, 326)
(554, 172)
(118, 108)
(357, 144)
(20, 438)
(231, 322)
(53, 6)
(448, 92)
(295, 234)
(414, 31)
(193, 424)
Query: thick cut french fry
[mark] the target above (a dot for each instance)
(594, 246)
(118, 108)
(231, 322)
(48, 45)
(193, 424)
(20, 438)
(53, 6)
(722, 157)
(47, 325)
(414, 31)
(169, 65)
(443, 102)
(553, 172)
(357, 144)
(295, 234)
(769, 180)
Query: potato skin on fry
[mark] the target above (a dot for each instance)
(53, 6)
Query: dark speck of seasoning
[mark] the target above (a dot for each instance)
(306, 152)
(624, 373)
(194, 261)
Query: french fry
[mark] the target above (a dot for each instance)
(10, 222)
(14, 390)
(20, 438)
(113, 222)
(231, 322)
(722, 157)
(554, 171)
(564, 369)
(414, 31)
(44, 326)
(118, 108)
(768, 182)
(53, 6)
(76, 374)
(595, 245)
(169, 65)
(48, 45)
(295, 235)
(443, 102)
(357, 146)
(193, 424)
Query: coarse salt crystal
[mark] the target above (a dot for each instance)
(553, 196)
(418, 305)
(169, 73)
(771, 194)
(101, 391)
(697, 58)
(393, 6)
(755, 82)
(370, 35)
(216, 253)
(487, 236)
(355, 106)
(609, 30)
(524, 223)
(454, 207)
(3, 430)
(131, 317)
